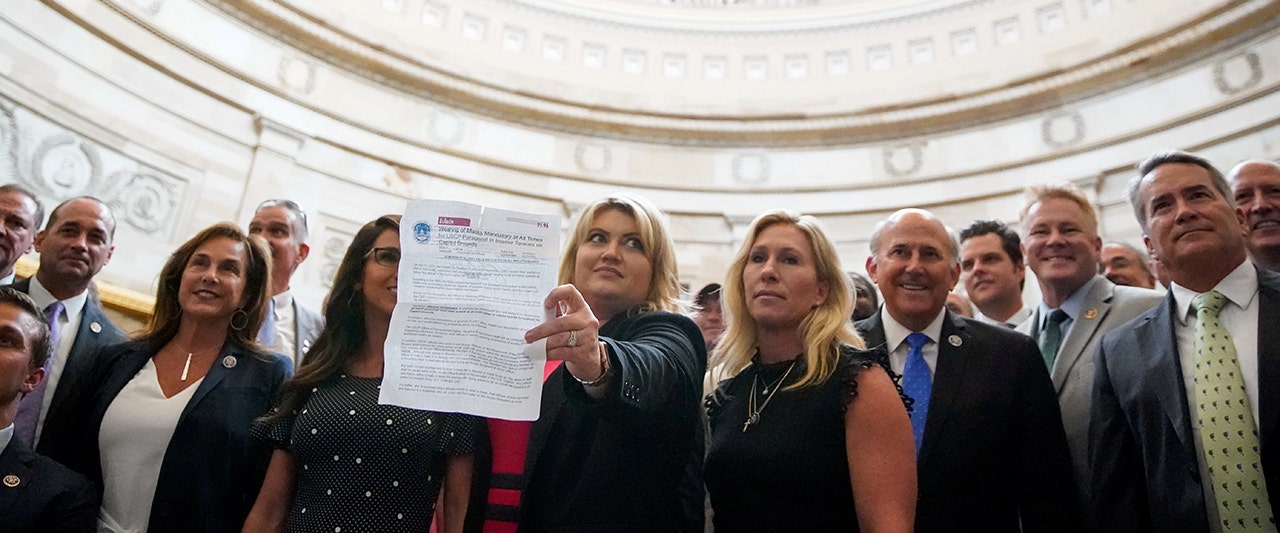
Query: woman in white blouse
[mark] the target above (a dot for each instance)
(166, 432)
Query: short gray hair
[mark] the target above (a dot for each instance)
(291, 206)
(1166, 157)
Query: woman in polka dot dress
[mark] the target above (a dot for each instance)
(343, 462)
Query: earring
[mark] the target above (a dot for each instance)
(244, 319)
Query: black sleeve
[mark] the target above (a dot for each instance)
(1047, 495)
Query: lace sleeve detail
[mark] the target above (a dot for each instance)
(853, 361)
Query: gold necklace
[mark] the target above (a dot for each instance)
(769, 390)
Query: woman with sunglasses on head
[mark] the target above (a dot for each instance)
(618, 443)
(342, 461)
(166, 429)
(810, 434)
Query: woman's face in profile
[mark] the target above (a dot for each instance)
(381, 275)
(780, 279)
(612, 266)
(213, 281)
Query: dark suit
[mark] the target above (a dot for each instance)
(95, 331)
(631, 461)
(38, 495)
(1146, 473)
(994, 453)
(213, 467)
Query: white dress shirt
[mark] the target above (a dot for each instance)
(285, 339)
(1018, 317)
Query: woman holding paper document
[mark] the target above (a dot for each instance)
(810, 434)
(618, 444)
(342, 461)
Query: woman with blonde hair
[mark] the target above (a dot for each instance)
(810, 433)
(618, 443)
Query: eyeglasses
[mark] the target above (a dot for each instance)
(385, 256)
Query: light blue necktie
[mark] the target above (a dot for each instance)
(918, 384)
(267, 335)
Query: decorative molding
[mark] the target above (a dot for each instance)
(1227, 73)
(1052, 129)
(751, 169)
(904, 160)
(592, 158)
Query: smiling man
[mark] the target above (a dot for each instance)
(1060, 233)
(991, 454)
(993, 273)
(1255, 185)
(74, 246)
(1184, 427)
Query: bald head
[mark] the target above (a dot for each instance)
(1255, 186)
(915, 262)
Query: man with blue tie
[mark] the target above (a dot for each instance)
(74, 245)
(1187, 395)
(991, 452)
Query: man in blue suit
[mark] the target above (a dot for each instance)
(37, 495)
(74, 246)
(1168, 382)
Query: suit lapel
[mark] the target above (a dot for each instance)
(1268, 355)
(14, 467)
(1163, 372)
(217, 373)
(948, 379)
(1083, 327)
(80, 357)
(552, 400)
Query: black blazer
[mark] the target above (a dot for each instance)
(38, 495)
(994, 456)
(629, 462)
(1146, 473)
(96, 331)
(213, 466)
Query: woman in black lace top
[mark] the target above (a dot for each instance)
(810, 433)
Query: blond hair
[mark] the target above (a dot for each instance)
(1064, 191)
(664, 285)
(826, 328)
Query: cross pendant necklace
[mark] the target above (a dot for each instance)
(753, 413)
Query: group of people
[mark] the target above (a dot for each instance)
(1101, 407)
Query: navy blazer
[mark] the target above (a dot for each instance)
(994, 457)
(1146, 473)
(95, 332)
(213, 466)
(38, 495)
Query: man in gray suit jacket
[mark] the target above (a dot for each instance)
(1063, 247)
(74, 246)
(1160, 385)
(290, 328)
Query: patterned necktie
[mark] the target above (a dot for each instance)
(918, 384)
(1051, 337)
(24, 424)
(1227, 431)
